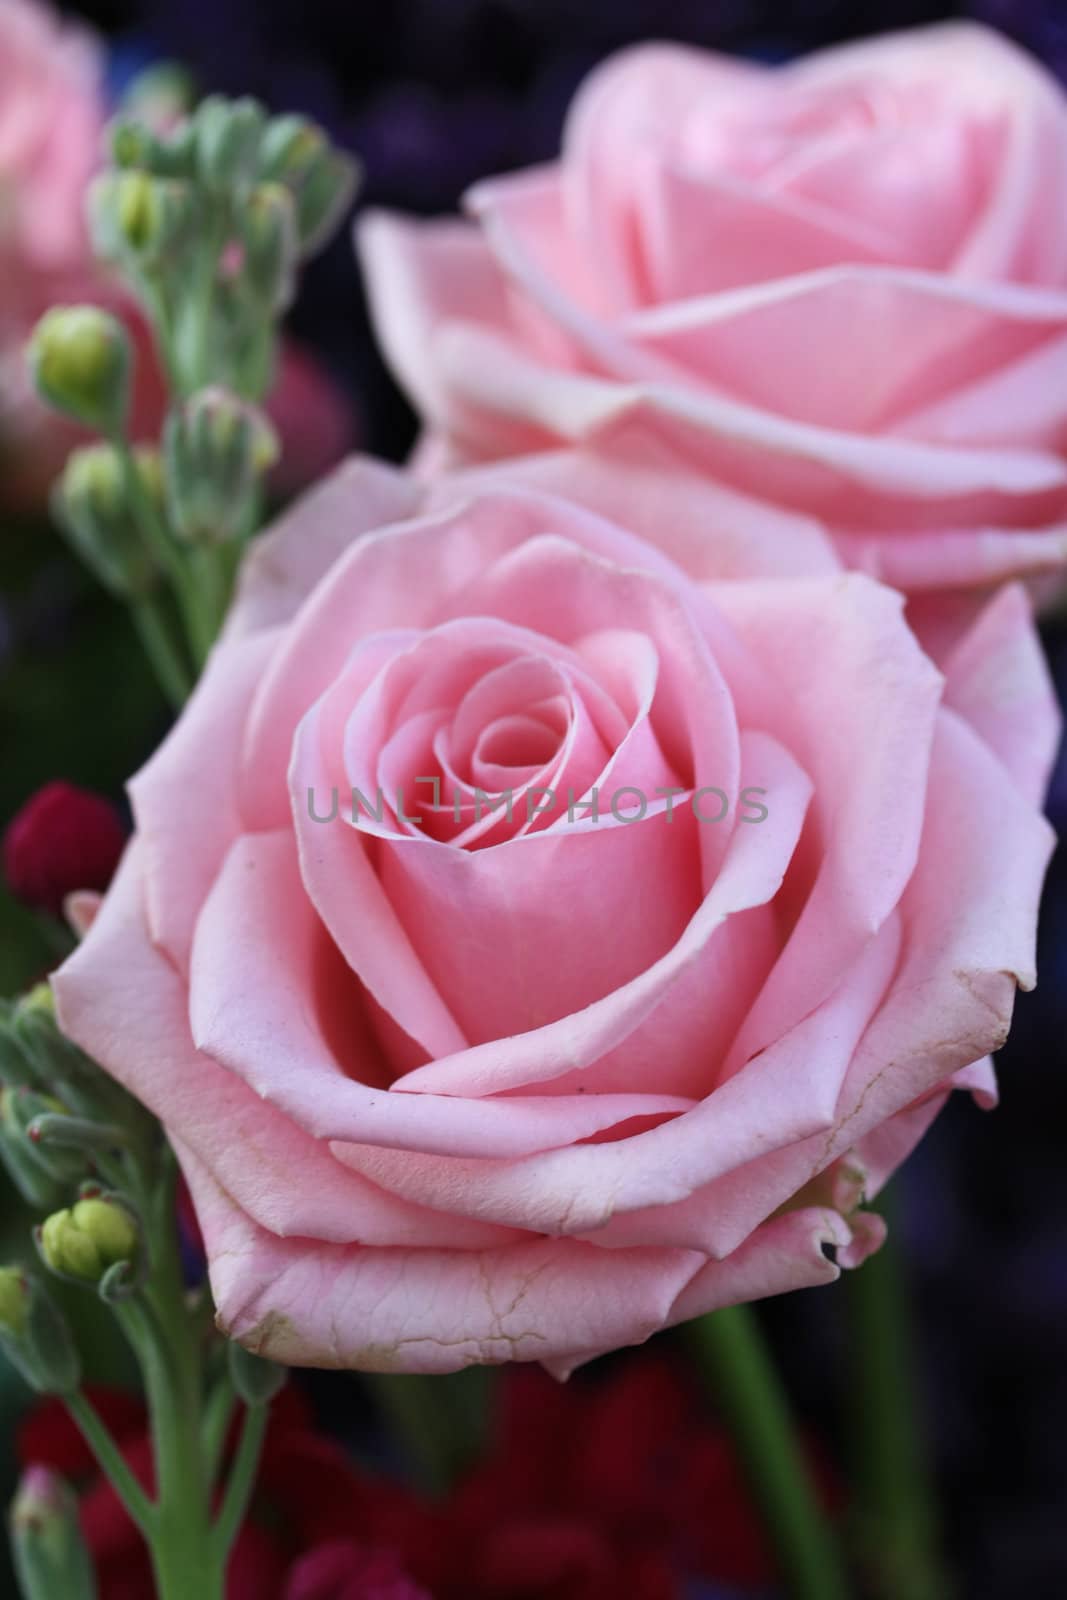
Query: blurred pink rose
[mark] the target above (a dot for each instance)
(51, 118)
(838, 288)
(52, 115)
(454, 1085)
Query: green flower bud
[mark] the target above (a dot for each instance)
(92, 508)
(80, 360)
(133, 145)
(138, 205)
(84, 1241)
(14, 1301)
(160, 95)
(19, 1110)
(323, 180)
(290, 147)
(130, 144)
(18, 1107)
(33, 1176)
(269, 241)
(38, 1341)
(216, 449)
(255, 1379)
(139, 218)
(31, 1023)
(228, 137)
(16, 1067)
(50, 1555)
(324, 197)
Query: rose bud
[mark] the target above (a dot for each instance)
(64, 838)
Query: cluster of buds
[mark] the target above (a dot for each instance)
(210, 222)
(96, 1241)
(61, 1118)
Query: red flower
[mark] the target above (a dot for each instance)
(63, 839)
(610, 1485)
(345, 1570)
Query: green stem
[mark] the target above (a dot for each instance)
(111, 1462)
(162, 650)
(896, 1523)
(730, 1350)
(416, 1409)
(221, 1405)
(242, 1478)
(186, 1564)
(167, 553)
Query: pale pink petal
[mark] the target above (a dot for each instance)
(286, 562)
(316, 1304)
(185, 802)
(997, 678)
(123, 1002)
(253, 967)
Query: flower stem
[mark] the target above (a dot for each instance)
(111, 1462)
(730, 1350)
(242, 1478)
(162, 650)
(186, 1563)
(896, 1522)
(168, 554)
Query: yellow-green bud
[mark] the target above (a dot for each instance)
(80, 360)
(137, 217)
(91, 505)
(269, 238)
(14, 1301)
(137, 200)
(130, 144)
(35, 1336)
(84, 1240)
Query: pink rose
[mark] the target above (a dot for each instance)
(51, 118)
(837, 288)
(452, 1085)
(51, 121)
